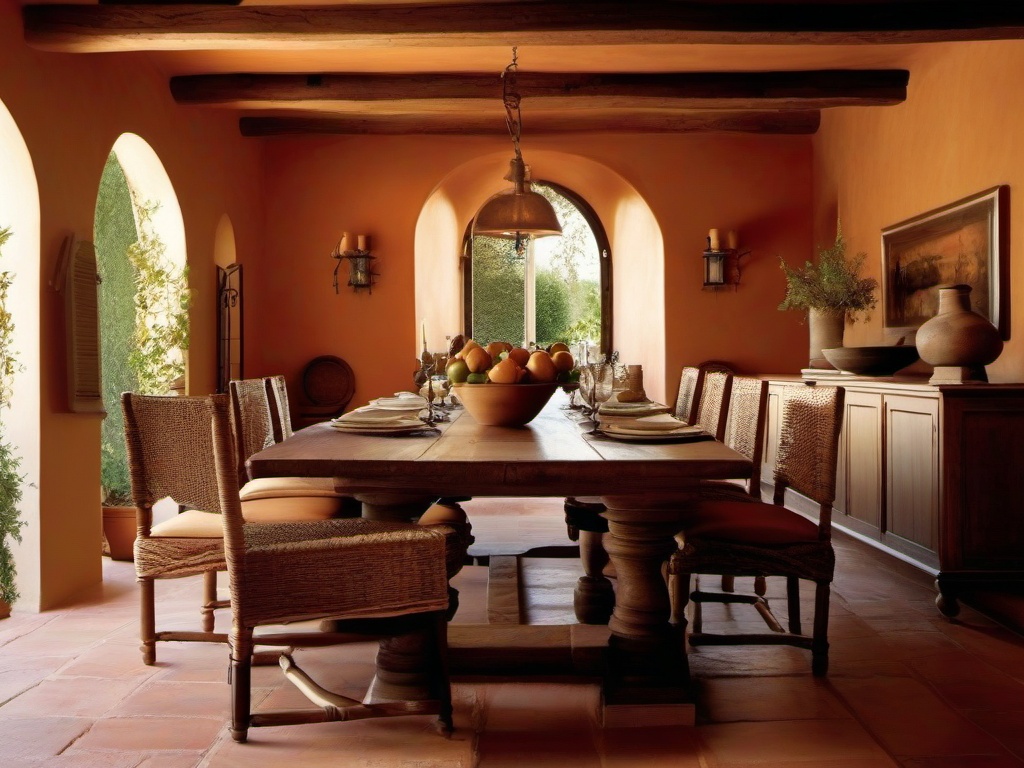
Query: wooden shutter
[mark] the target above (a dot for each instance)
(81, 296)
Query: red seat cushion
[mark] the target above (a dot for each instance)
(745, 522)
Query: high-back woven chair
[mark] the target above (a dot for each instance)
(169, 462)
(712, 409)
(690, 383)
(744, 433)
(278, 572)
(747, 538)
(259, 420)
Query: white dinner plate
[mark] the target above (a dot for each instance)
(378, 429)
(689, 434)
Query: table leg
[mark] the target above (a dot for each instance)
(394, 507)
(647, 656)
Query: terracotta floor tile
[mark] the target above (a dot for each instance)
(962, 762)
(158, 698)
(522, 707)
(1007, 727)
(538, 749)
(776, 743)
(19, 673)
(71, 697)
(78, 759)
(38, 738)
(911, 720)
(723, 700)
(152, 733)
(661, 747)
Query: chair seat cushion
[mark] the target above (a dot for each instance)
(748, 522)
(190, 524)
(278, 487)
(283, 509)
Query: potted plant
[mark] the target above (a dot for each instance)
(10, 479)
(159, 342)
(831, 291)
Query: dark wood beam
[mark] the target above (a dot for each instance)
(707, 90)
(780, 122)
(84, 28)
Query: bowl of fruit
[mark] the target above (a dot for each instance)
(505, 386)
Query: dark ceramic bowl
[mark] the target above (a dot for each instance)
(871, 361)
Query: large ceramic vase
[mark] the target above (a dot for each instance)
(826, 332)
(958, 341)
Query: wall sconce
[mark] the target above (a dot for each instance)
(722, 264)
(360, 262)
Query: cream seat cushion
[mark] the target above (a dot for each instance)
(194, 524)
(287, 487)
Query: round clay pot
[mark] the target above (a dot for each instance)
(958, 336)
(826, 333)
(119, 530)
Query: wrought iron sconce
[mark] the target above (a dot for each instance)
(360, 262)
(722, 265)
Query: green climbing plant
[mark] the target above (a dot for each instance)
(162, 300)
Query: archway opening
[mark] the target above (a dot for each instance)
(20, 565)
(144, 298)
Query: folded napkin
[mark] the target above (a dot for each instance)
(645, 408)
(370, 415)
(403, 401)
(662, 422)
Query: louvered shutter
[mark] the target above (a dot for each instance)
(85, 393)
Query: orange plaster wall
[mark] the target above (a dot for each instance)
(70, 110)
(956, 134)
(316, 188)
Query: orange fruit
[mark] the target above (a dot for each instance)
(520, 355)
(478, 359)
(468, 347)
(505, 372)
(495, 348)
(541, 367)
(558, 346)
(563, 361)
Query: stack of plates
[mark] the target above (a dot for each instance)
(384, 416)
(660, 426)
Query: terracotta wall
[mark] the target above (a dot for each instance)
(318, 187)
(70, 110)
(957, 134)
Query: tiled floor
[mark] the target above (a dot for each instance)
(906, 688)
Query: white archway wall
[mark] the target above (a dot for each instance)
(19, 210)
(149, 182)
(637, 250)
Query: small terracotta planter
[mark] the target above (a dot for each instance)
(5, 609)
(119, 531)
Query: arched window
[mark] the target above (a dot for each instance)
(556, 289)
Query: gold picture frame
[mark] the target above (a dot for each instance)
(965, 242)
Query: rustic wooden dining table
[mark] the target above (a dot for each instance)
(644, 485)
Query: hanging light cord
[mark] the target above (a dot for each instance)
(513, 115)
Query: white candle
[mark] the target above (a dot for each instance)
(732, 240)
(364, 242)
(714, 240)
(343, 244)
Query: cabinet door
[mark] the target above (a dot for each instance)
(912, 466)
(859, 474)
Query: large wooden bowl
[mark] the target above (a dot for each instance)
(871, 361)
(504, 405)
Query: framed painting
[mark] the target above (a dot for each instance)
(966, 242)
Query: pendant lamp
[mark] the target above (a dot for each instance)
(519, 212)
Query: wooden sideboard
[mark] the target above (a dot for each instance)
(933, 473)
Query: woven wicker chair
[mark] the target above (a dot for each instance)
(690, 383)
(259, 419)
(747, 538)
(713, 406)
(164, 461)
(277, 573)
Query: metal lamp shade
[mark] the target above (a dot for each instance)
(512, 213)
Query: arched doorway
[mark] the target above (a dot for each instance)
(143, 295)
(20, 415)
(555, 289)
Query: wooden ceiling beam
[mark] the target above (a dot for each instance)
(779, 122)
(706, 90)
(93, 28)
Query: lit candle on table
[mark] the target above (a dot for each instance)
(364, 242)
